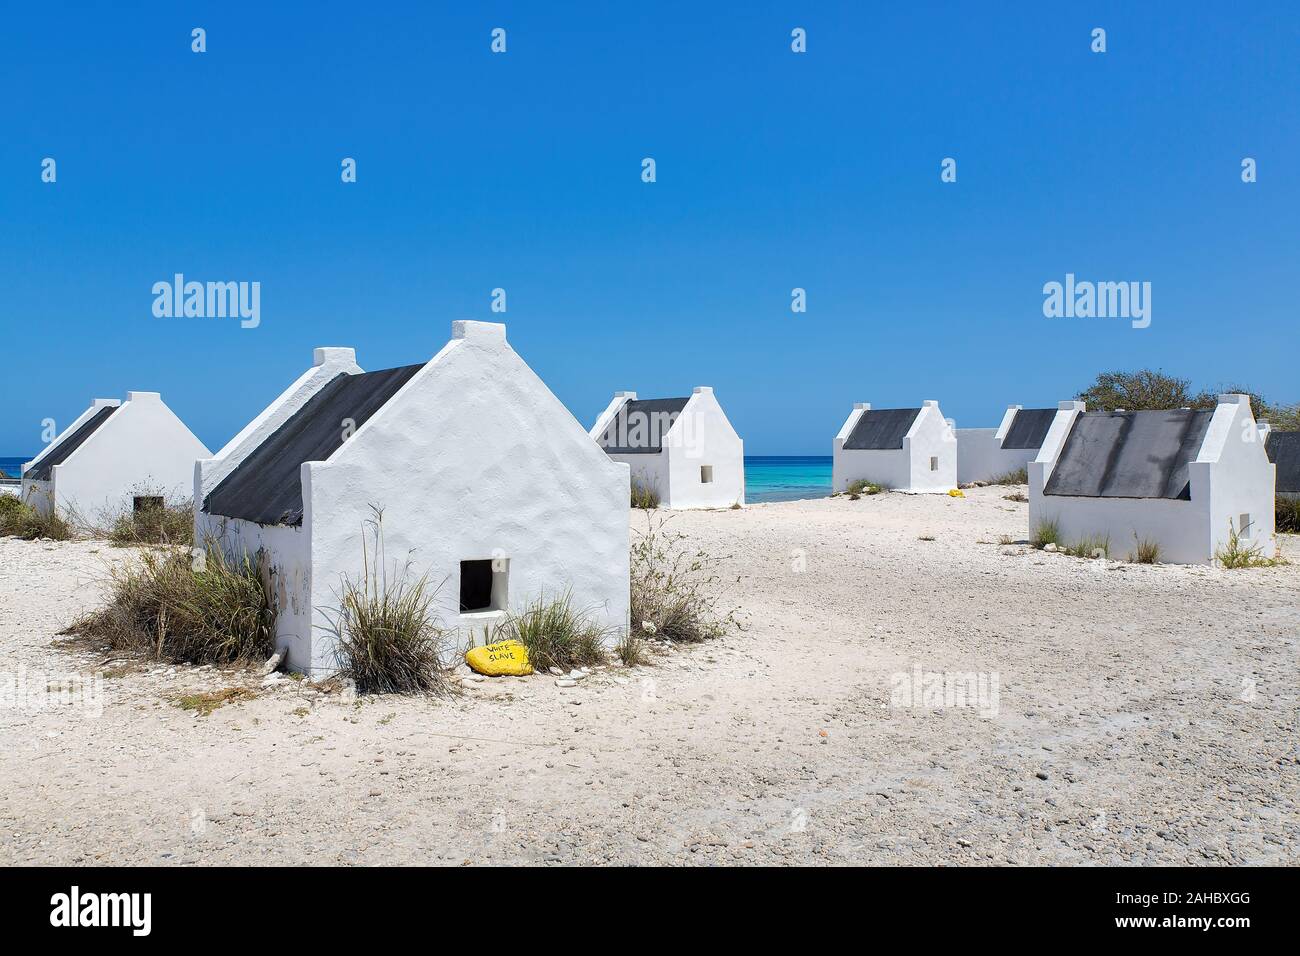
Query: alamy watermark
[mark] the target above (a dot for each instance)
(209, 300)
(1102, 300)
(34, 691)
(936, 689)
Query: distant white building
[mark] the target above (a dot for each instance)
(683, 448)
(904, 449)
(114, 458)
(487, 484)
(987, 453)
(1284, 452)
(1180, 478)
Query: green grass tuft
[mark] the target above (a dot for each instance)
(1018, 477)
(387, 636)
(1047, 532)
(644, 496)
(1235, 554)
(1148, 551)
(555, 633)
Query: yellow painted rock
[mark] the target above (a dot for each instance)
(500, 659)
(956, 493)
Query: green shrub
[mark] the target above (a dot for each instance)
(644, 496)
(860, 486)
(172, 607)
(387, 636)
(1046, 532)
(674, 590)
(555, 633)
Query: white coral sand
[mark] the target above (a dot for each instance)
(1145, 714)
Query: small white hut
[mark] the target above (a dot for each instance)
(487, 484)
(987, 453)
(684, 449)
(114, 458)
(904, 449)
(1180, 478)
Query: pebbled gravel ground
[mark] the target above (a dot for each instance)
(1142, 715)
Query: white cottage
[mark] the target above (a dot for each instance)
(117, 456)
(987, 453)
(487, 484)
(682, 448)
(904, 449)
(1180, 478)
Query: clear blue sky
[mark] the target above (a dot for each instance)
(522, 170)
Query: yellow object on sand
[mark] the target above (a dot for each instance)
(500, 659)
(956, 493)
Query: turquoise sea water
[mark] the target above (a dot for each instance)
(767, 477)
(786, 477)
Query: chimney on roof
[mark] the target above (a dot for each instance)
(337, 355)
(484, 332)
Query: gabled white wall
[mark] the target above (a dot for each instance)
(474, 458)
(142, 449)
(931, 436)
(900, 469)
(1231, 475)
(701, 436)
(1233, 464)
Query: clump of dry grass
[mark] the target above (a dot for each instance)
(20, 520)
(631, 651)
(1018, 477)
(644, 496)
(674, 590)
(1147, 552)
(208, 609)
(556, 634)
(388, 638)
(157, 521)
(1287, 515)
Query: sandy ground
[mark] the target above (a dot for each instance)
(1143, 715)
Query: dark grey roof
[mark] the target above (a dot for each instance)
(1029, 428)
(645, 423)
(266, 486)
(1129, 454)
(1284, 451)
(42, 470)
(881, 428)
